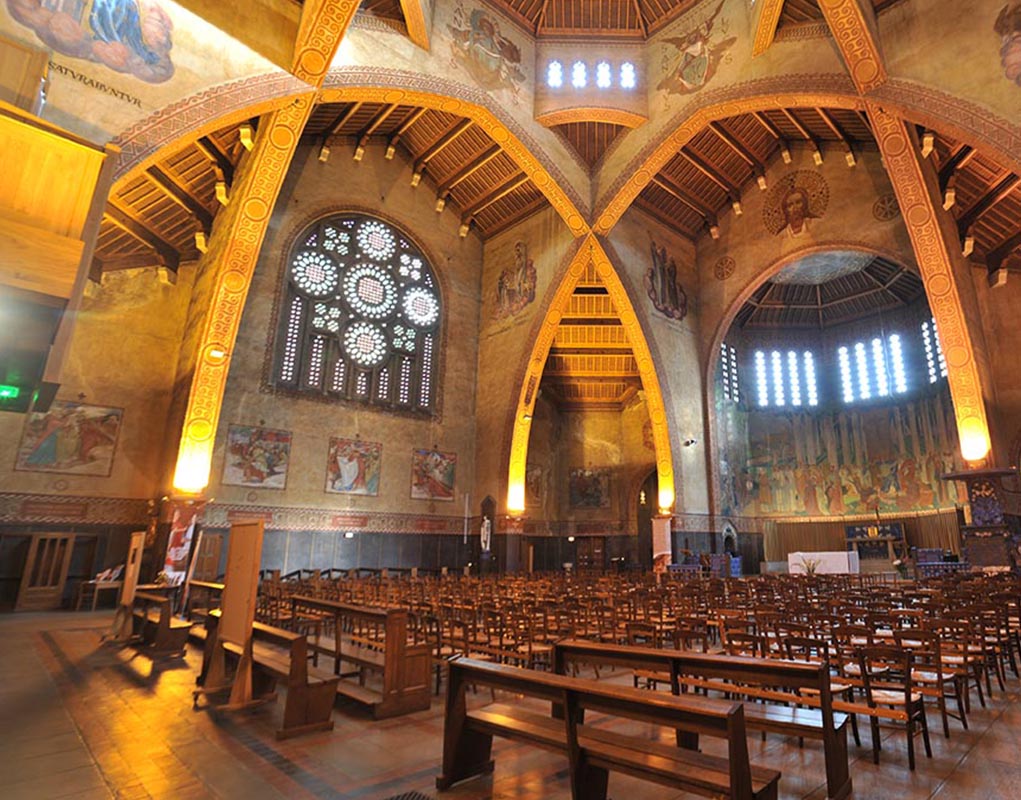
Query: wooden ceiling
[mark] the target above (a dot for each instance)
(591, 366)
(800, 12)
(879, 286)
(590, 140)
(613, 18)
(708, 175)
(389, 10)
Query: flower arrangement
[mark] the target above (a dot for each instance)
(901, 567)
(810, 565)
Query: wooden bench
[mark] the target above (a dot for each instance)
(373, 641)
(203, 597)
(280, 656)
(157, 628)
(804, 687)
(595, 752)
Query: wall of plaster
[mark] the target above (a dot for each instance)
(618, 442)
(505, 342)
(999, 307)
(674, 345)
(373, 185)
(123, 354)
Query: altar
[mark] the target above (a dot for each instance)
(838, 562)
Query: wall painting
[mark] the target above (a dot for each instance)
(256, 457)
(479, 46)
(690, 61)
(662, 286)
(794, 201)
(353, 467)
(432, 475)
(515, 288)
(130, 36)
(1008, 27)
(71, 437)
(589, 488)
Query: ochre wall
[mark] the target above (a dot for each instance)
(372, 185)
(123, 354)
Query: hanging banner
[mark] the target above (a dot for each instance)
(486, 534)
(182, 528)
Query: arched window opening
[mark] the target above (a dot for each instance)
(360, 316)
(555, 75)
(579, 75)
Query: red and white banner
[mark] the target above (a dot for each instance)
(182, 528)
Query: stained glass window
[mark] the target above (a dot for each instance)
(789, 379)
(878, 367)
(360, 317)
(728, 370)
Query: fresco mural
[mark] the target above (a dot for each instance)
(794, 201)
(515, 287)
(353, 466)
(432, 475)
(589, 488)
(71, 437)
(256, 457)
(1008, 26)
(691, 60)
(479, 47)
(662, 286)
(130, 36)
(848, 462)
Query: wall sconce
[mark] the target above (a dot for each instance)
(570, 538)
(349, 534)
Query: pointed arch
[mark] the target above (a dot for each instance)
(591, 251)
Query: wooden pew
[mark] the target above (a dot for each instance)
(203, 597)
(280, 656)
(806, 685)
(594, 752)
(156, 626)
(373, 640)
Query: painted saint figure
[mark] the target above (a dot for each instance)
(120, 21)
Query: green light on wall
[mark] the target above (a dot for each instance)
(8, 392)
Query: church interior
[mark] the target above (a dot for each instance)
(386, 384)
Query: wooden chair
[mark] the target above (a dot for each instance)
(890, 693)
(931, 675)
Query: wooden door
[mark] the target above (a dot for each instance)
(42, 582)
(207, 557)
(591, 552)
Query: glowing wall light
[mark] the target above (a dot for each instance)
(666, 497)
(516, 496)
(191, 475)
(974, 439)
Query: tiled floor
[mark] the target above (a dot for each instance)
(82, 720)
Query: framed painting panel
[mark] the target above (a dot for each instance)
(432, 475)
(353, 466)
(256, 457)
(73, 438)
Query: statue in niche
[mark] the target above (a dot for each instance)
(666, 293)
(1008, 26)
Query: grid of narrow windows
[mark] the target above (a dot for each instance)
(935, 362)
(877, 369)
(728, 370)
(785, 379)
(626, 75)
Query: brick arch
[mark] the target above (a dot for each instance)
(591, 250)
(719, 334)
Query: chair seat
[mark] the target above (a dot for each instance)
(926, 676)
(892, 698)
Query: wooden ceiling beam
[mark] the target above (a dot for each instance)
(775, 132)
(138, 230)
(363, 138)
(958, 159)
(1002, 250)
(838, 131)
(339, 121)
(736, 146)
(395, 137)
(218, 158)
(646, 207)
(805, 133)
(440, 145)
(470, 168)
(174, 189)
(709, 171)
(1004, 186)
(498, 193)
(118, 263)
(674, 189)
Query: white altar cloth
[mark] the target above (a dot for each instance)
(826, 563)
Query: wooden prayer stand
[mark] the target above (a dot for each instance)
(240, 592)
(123, 619)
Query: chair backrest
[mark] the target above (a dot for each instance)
(803, 648)
(885, 668)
